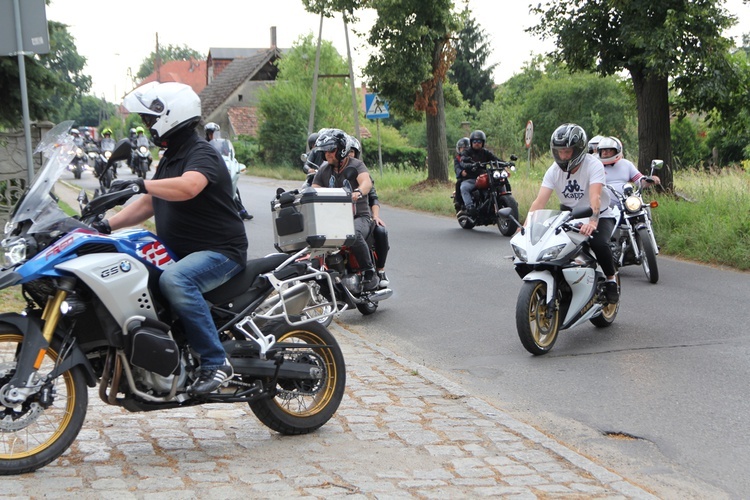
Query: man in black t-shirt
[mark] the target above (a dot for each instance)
(191, 200)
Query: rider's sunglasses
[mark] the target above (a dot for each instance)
(476, 141)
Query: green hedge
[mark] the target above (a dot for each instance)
(394, 155)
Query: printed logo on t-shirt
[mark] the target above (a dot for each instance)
(573, 190)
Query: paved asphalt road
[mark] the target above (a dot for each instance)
(661, 396)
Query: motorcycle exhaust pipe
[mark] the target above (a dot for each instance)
(266, 368)
(379, 295)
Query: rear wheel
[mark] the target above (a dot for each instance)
(37, 431)
(648, 255)
(537, 326)
(367, 308)
(302, 406)
(506, 226)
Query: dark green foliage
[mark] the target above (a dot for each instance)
(689, 145)
(168, 53)
(246, 150)
(468, 70)
(53, 80)
(285, 106)
(395, 155)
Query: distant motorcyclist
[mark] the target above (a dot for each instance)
(335, 144)
(213, 136)
(594, 143)
(461, 146)
(620, 170)
(476, 153)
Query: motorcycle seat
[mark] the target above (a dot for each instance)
(244, 279)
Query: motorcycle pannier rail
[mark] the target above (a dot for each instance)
(313, 217)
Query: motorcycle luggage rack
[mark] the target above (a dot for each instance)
(289, 290)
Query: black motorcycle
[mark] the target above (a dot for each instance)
(491, 193)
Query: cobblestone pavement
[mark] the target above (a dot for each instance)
(401, 431)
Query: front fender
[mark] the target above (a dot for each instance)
(30, 328)
(545, 276)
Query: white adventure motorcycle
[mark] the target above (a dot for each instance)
(563, 284)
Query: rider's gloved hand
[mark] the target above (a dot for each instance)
(102, 226)
(136, 185)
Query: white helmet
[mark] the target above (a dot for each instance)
(165, 108)
(610, 143)
(593, 143)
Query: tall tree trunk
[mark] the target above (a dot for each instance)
(654, 139)
(437, 144)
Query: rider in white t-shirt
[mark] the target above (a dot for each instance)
(578, 179)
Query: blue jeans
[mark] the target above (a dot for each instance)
(183, 284)
(466, 186)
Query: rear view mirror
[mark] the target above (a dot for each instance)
(656, 164)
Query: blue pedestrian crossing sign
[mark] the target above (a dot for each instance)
(375, 107)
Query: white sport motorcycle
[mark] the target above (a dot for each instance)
(563, 285)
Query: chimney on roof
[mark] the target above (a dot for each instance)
(273, 37)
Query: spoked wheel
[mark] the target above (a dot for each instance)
(536, 328)
(302, 406)
(648, 255)
(37, 431)
(609, 313)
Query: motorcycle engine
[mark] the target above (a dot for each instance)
(335, 262)
(155, 383)
(351, 282)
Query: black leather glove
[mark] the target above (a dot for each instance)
(102, 226)
(137, 185)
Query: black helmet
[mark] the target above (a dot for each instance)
(311, 140)
(478, 135)
(569, 135)
(333, 140)
(462, 143)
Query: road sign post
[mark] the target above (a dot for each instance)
(528, 138)
(27, 34)
(375, 109)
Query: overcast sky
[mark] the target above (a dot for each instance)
(116, 36)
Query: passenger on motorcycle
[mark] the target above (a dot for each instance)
(190, 197)
(578, 178)
(314, 156)
(620, 170)
(461, 146)
(335, 144)
(594, 144)
(476, 153)
(213, 131)
(379, 232)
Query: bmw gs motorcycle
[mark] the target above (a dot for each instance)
(95, 315)
(492, 192)
(78, 160)
(634, 241)
(563, 286)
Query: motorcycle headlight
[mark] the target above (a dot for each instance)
(497, 175)
(92, 154)
(551, 253)
(520, 252)
(79, 152)
(13, 251)
(633, 203)
(107, 154)
(143, 149)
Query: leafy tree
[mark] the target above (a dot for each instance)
(285, 106)
(89, 110)
(53, 80)
(670, 43)
(468, 71)
(413, 38)
(689, 146)
(167, 53)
